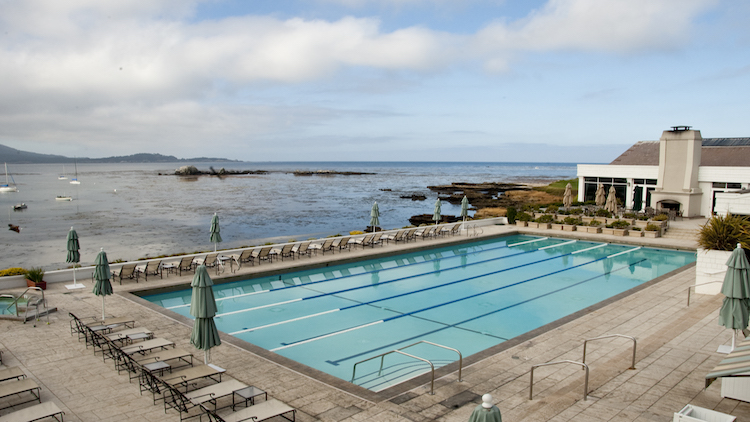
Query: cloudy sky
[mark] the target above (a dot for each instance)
(401, 80)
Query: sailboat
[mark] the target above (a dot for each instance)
(7, 187)
(63, 176)
(74, 181)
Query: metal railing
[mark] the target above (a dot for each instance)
(585, 383)
(700, 284)
(632, 365)
(399, 351)
(29, 304)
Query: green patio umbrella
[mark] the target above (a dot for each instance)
(215, 231)
(436, 214)
(73, 256)
(102, 287)
(374, 216)
(735, 310)
(203, 308)
(465, 208)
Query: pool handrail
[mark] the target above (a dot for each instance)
(700, 284)
(399, 350)
(632, 365)
(585, 383)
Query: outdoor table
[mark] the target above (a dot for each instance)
(158, 366)
(248, 394)
(169, 268)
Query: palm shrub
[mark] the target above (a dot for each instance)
(511, 214)
(35, 274)
(723, 233)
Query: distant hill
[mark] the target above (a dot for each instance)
(15, 156)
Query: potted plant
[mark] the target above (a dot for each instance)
(593, 226)
(570, 223)
(620, 227)
(716, 240)
(35, 278)
(652, 230)
(635, 232)
(522, 219)
(544, 222)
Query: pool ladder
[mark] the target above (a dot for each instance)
(399, 351)
(32, 301)
(474, 230)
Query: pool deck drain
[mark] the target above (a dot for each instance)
(676, 348)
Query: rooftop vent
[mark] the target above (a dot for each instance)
(680, 128)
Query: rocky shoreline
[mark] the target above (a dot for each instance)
(193, 171)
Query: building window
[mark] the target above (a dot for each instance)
(591, 184)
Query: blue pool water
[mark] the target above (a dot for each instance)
(469, 297)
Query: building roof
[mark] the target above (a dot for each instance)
(726, 152)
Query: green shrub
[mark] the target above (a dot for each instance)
(653, 228)
(511, 214)
(724, 233)
(635, 229)
(620, 224)
(628, 215)
(601, 212)
(12, 271)
(35, 274)
(546, 218)
(522, 216)
(576, 211)
(642, 217)
(553, 209)
(595, 223)
(661, 217)
(572, 221)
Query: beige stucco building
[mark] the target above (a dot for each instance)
(681, 171)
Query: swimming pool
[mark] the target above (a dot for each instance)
(469, 296)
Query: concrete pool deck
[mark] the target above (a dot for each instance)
(676, 348)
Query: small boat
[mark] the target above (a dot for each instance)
(19, 207)
(7, 187)
(63, 198)
(74, 181)
(63, 176)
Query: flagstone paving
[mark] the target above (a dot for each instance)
(676, 347)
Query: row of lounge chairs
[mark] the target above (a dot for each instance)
(289, 250)
(17, 390)
(171, 376)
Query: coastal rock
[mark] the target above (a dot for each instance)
(327, 173)
(414, 197)
(420, 219)
(187, 171)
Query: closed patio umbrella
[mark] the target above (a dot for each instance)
(73, 256)
(102, 287)
(215, 231)
(374, 216)
(568, 196)
(203, 308)
(486, 412)
(735, 310)
(611, 204)
(601, 196)
(464, 209)
(436, 214)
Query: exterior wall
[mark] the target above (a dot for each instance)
(625, 172)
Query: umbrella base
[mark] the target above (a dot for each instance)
(74, 286)
(725, 349)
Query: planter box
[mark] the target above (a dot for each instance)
(42, 284)
(691, 413)
(635, 233)
(569, 227)
(652, 234)
(710, 267)
(587, 219)
(641, 223)
(591, 229)
(520, 223)
(555, 226)
(544, 225)
(608, 231)
(532, 225)
(620, 232)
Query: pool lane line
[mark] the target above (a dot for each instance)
(333, 333)
(624, 252)
(447, 326)
(400, 279)
(528, 241)
(588, 249)
(246, 330)
(384, 269)
(557, 244)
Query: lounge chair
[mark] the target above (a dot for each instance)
(263, 254)
(427, 232)
(152, 268)
(11, 373)
(175, 354)
(39, 411)
(27, 385)
(287, 251)
(186, 376)
(447, 229)
(127, 271)
(304, 249)
(148, 346)
(258, 412)
(245, 256)
(186, 264)
(377, 239)
(328, 245)
(397, 237)
(212, 260)
(364, 241)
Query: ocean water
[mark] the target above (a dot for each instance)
(132, 212)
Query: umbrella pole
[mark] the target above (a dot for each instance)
(205, 356)
(74, 274)
(103, 314)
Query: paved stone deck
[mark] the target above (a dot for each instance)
(676, 348)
